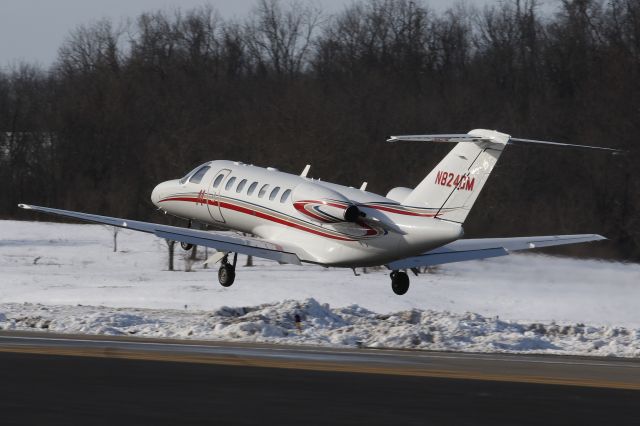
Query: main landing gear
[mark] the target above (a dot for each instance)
(399, 282)
(227, 271)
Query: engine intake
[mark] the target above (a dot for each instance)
(324, 205)
(351, 213)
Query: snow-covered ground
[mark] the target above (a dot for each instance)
(67, 278)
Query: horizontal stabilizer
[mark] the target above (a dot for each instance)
(482, 248)
(519, 141)
(462, 137)
(470, 137)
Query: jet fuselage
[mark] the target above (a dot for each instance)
(318, 216)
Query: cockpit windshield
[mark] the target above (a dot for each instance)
(188, 175)
(197, 176)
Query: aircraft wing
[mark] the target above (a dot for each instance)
(482, 248)
(217, 240)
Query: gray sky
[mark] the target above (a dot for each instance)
(32, 30)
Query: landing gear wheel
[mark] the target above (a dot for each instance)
(227, 271)
(226, 275)
(399, 282)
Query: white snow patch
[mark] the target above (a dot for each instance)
(521, 302)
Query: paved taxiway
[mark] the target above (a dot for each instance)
(58, 379)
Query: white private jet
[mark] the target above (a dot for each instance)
(300, 220)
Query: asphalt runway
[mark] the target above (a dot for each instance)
(67, 380)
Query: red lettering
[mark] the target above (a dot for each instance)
(461, 183)
(450, 179)
(470, 183)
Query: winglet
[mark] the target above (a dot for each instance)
(24, 206)
(363, 186)
(306, 170)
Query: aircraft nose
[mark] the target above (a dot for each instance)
(161, 191)
(155, 195)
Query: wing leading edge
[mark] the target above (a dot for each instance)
(482, 248)
(216, 240)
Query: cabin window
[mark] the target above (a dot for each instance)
(274, 193)
(219, 178)
(197, 176)
(229, 183)
(285, 195)
(263, 190)
(241, 185)
(252, 188)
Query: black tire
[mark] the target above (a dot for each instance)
(186, 246)
(226, 275)
(399, 282)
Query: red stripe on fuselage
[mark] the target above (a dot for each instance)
(278, 220)
(261, 215)
(301, 207)
(311, 209)
(337, 204)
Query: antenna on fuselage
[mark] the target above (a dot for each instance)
(306, 170)
(363, 186)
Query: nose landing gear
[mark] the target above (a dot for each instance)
(399, 282)
(186, 246)
(227, 271)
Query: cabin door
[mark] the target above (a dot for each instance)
(217, 184)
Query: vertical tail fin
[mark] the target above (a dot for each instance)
(454, 185)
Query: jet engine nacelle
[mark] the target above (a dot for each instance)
(324, 205)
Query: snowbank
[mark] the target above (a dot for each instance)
(322, 325)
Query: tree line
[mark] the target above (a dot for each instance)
(129, 104)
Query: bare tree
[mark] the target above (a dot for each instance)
(116, 230)
(88, 48)
(171, 246)
(119, 113)
(280, 37)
